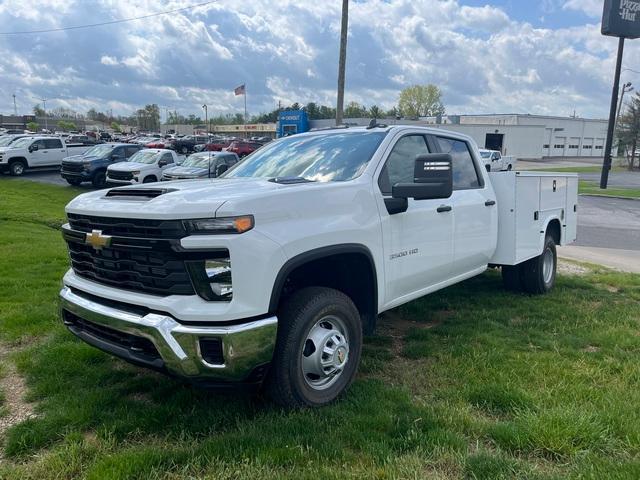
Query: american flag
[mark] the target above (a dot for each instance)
(241, 90)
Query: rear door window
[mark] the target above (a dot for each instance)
(130, 151)
(51, 143)
(465, 175)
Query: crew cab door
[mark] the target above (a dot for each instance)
(56, 151)
(38, 154)
(474, 208)
(417, 243)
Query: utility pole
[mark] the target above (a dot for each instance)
(206, 117)
(627, 87)
(15, 108)
(342, 61)
(44, 109)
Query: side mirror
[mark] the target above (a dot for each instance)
(488, 167)
(33, 148)
(220, 169)
(117, 158)
(433, 178)
(163, 163)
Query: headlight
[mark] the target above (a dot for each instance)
(219, 276)
(137, 172)
(220, 225)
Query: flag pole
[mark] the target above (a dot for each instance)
(245, 109)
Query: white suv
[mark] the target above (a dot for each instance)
(143, 167)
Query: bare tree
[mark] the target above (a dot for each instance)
(629, 129)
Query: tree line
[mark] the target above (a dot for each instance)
(628, 131)
(413, 102)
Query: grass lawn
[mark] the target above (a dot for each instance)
(594, 189)
(470, 382)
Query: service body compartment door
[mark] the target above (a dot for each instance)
(571, 212)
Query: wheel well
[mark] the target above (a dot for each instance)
(350, 271)
(555, 230)
(19, 159)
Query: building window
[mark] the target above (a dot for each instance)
(574, 147)
(587, 147)
(559, 146)
(545, 146)
(599, 147)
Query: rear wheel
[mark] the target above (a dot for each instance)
(539, 274)
(17, 168)
(317, 350)
(184, 150)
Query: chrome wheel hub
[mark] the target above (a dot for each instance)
(547, 265)
(325, 352)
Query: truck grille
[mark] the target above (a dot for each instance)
(72, 167)
(128, 227)
(115, 175)
(148, 271)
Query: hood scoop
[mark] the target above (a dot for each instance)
(138, 193)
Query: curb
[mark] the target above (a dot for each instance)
(607, 196)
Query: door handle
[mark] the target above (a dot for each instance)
(489, 203)
(444, 208)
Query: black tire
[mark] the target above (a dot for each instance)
(287, 384)
(150, 179)
(99, 179)
(511, 278)
(536, 277)
(509, 168)
(73, 182)
(184, 150)
(17, 168)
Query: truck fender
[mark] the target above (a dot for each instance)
(367, 304)
(555, 219)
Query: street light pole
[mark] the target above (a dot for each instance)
(206, 117)
(44, 109)
(342, 61)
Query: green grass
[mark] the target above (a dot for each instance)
(500, 386)
(592, 188)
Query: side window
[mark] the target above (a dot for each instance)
(465, 175)
(167, 157)
(40, 143)
(53, 143)
(130, 151)
(400, 166)
(230, 159)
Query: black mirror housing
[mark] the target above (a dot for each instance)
(433, 178)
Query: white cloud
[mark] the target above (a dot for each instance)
(287, 51)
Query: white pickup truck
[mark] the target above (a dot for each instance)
(36, 152)
(495, 161)
(271, 273)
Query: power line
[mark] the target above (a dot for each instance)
(112, 22)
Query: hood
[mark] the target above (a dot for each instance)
(186, 172)
(80, 159)
(183, 199)
(129, 166)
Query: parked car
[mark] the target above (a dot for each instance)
(187, 143)
(202, 165)
(92, 165)
(214, 146)
(36, 151)
(272, 273)
(6, 140)
(243, 148)
(144, 166)
(83, 140)
(159, 143)
(14, 131)
(494, 161)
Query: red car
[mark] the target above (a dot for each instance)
(243, 148)
(166, 143)
(215, 146)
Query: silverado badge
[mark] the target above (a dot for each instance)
(97, 240)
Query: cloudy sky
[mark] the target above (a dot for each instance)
(544, 57)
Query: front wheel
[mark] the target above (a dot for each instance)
(317, 350)
(99, 179)
(73, 182)
(150, 179)
(17, 168)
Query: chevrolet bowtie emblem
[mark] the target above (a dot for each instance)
(97, 240)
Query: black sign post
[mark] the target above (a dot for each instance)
(621, 18)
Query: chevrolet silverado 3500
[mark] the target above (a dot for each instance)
(270, 274)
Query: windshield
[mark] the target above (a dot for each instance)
(143, 156)
(199, 161)
(4, 141)
(333, 157)
(99, 151)
(485, 154)
(22, 142)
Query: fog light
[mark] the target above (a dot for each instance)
(219, 275)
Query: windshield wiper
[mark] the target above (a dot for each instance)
(290, 180)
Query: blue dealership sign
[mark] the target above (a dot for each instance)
(291, 122)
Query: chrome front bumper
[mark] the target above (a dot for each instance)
(245, 346)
